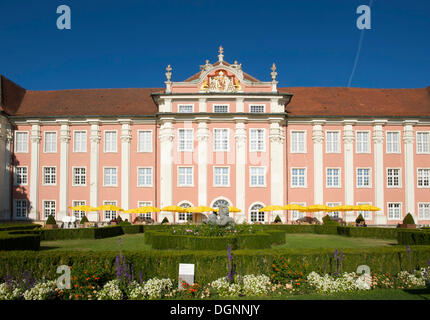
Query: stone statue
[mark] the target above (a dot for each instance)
(223, 220)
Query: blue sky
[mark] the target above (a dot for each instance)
(128, 43)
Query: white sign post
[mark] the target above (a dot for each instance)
(186, 273)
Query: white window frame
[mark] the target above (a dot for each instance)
(113, 203)
(419, 211)
(228, 176)
(146, 215)
(428, 144)
(148, 150)
(367, 215)
(15, 209)
(44, 217)
(192, 176)
(185, 140)
(370, 178)
(257, 105)
(81, 213)
(104, 176)
(152, 178)
(186, 105)
(264, 176)
(339, 178)
(105, 141)
(43, 176)
(400, 210)
(15, 176)
(292, 141)
(327, 141)
(398, 142)
(16, 132)
(263, 149)
(331, 213)
(45, 142)
(187, 215)
(305, 177)
(300, 214)
(418, 178)
(400, 177)
(259, 214)
(81, 144)
(369, 148)
(220, 105)
(215, 140)
(73, 177)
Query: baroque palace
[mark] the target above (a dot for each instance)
(218, 137)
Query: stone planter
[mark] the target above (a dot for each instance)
(408, 226)
(51, 226)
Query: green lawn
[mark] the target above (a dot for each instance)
(136, 242)
(316, 241)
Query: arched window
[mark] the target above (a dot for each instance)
(257, 216)
(185, 216)
(221, 202)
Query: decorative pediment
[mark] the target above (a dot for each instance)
(220, 81)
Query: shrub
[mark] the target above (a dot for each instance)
(359, 219)
(413, 237)
(165, 220)
(408, 219)
(328, 221)
(19, 240)
(277, 220)
(81, 233)
(19, 226)
(51, 220)
(84, 219)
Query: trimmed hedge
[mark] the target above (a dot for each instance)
(19, 226)
(19, 240)
(413, 237)
(81, 233)
(211, 265)
(164, 240)
(132, 228)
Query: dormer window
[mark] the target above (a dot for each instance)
(221, 108)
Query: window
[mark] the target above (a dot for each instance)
(21, 175)
(423, 142)
(185, 140)
(296, 214)
(21, 142)
(362, 142)
(50, 142)
(367, 215)
(221, 176)
(424, 178)
(185, 108)
(257, 108)
(332, 142)
(221, 202)
(298, 142)
(49, 175)
(256, 215)
(333, 178)
(78, 213)
(147, 215)
(21, 208)
(334, 214)
(110, 177)
(110, 141)
(424, 211)
(393, 177)
(48, 209)
(298, 177)
(185, 176)
(221, 139)
(80, 141)
(144, 177)
(79, 176)
(363, 178)
(256, 141)
(257, 176)
(185, 216)
(394, 211)
(221, 108)
(393, 142)
(144, 143)
(109, 214)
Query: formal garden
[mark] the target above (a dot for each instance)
(246, 261)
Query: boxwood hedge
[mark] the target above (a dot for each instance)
(413, 237)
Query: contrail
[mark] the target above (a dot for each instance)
(357, 55)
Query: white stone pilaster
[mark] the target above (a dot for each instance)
(240, 106)
(378, 146)
(408, 140)
(94, 163)
(166, 136)
(35, 139)
(348, 144)
(276, 137)
(202, 166)
(202, 105)
(64, 169)
(318, 138)
(5, 145)
(125, 163)
(240, 137)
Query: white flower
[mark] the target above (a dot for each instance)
(110, 291)
(41, 291)
(156, 288)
